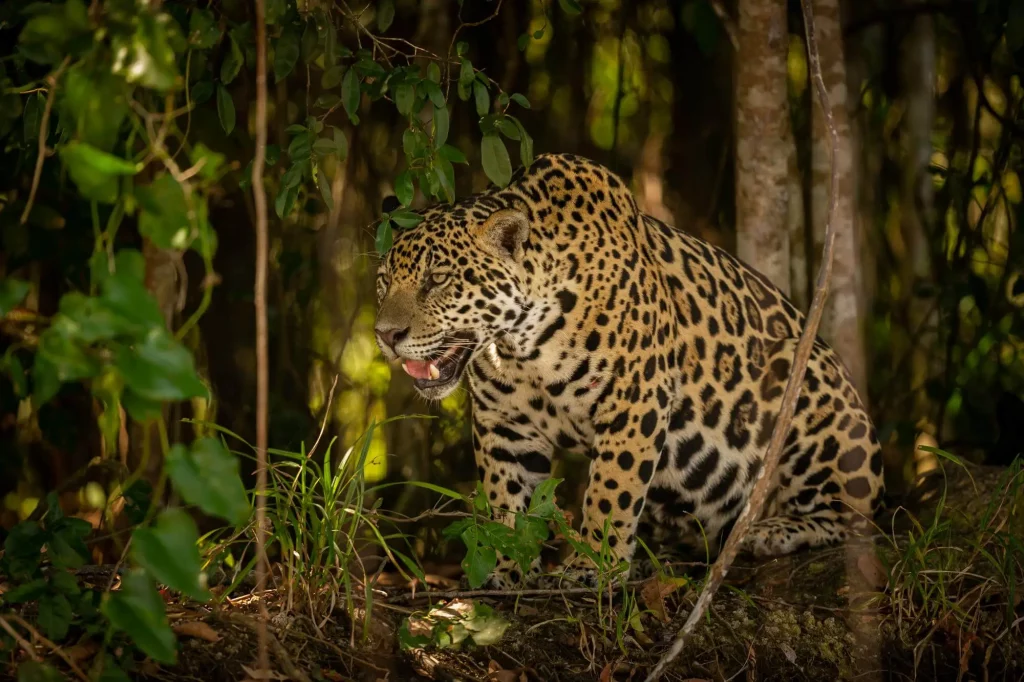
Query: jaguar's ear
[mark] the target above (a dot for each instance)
(504, 233)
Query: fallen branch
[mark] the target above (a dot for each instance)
(259, 194)
(469, 594)
(755, 504)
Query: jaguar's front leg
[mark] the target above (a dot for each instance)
(629, 440)
(511, 459)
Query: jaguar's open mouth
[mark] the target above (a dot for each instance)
(445, 367)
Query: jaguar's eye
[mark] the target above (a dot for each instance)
(438, 278)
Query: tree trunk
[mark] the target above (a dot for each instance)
(917, 201)
(764, 139)
(842, 325)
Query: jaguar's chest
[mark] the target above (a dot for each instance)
(553, 398)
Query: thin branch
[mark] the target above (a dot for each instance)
(37, 636)
(455, 35)
(44, 133)
(728, 23)
(260, 297)
(755, 505)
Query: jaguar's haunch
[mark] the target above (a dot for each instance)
(584, 324)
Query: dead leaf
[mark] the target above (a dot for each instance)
(82, 651)
(788, 652)
(197, 629)
(653, 593)
(495, 673)
(873, 571)
(606, 672)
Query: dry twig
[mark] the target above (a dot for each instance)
(259, 194)
(37, 636)
(44, 132)
(755, 504)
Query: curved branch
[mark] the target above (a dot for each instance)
(44, 132)
(259, 194)
(755, 505)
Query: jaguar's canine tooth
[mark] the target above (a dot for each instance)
(435, 373)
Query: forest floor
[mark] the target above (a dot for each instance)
(937, 599)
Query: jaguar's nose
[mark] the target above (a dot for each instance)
(391, 336)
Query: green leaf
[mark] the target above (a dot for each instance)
(66, 357)
(325, 189)
(147, 57)
(404, 189)
(126, 295)
(25, 592)
(406, 219)
(225, 109)
(467, 77)
(95, 172)
(433, 72)
(350, 95)
(93, 105)
(520, 100)
(332, 77)
(406, 640)
(138, 611)
(441, 123)
(327, 100)
(232, 63)
(65, 582)
(452, 154)
(159, 368)
(480, 561)
(48, 36)
(405, 95)
(169, 550)
(494, 158)
(33, 671)
(286, 54)
(55, 616)
(285, 201)
(385, 15)
(445, 179)
(433, 91)
(385, 237)
(482, 98)
(462, 48)
(525, 147)
(340, 143)
(203, 31)
(508, 128)
(207, 476)
(212, 161)
(324, 146)
(164, 214)
(570, 6)
(66, 544)
(22, 547)
(542, 502)
(12, 292)
(523, 42)
(202, 92)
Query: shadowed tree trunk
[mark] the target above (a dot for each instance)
(842, 325)
(917, 200)
(764, 139)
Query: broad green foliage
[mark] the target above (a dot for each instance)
(121, 91)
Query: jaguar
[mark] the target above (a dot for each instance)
(585, 325)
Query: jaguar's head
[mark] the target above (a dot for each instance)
(448, 288)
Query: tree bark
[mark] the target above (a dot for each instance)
(843, 325)
(764, 139)
(917, 201)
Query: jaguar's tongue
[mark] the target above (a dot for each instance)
(421, 369)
